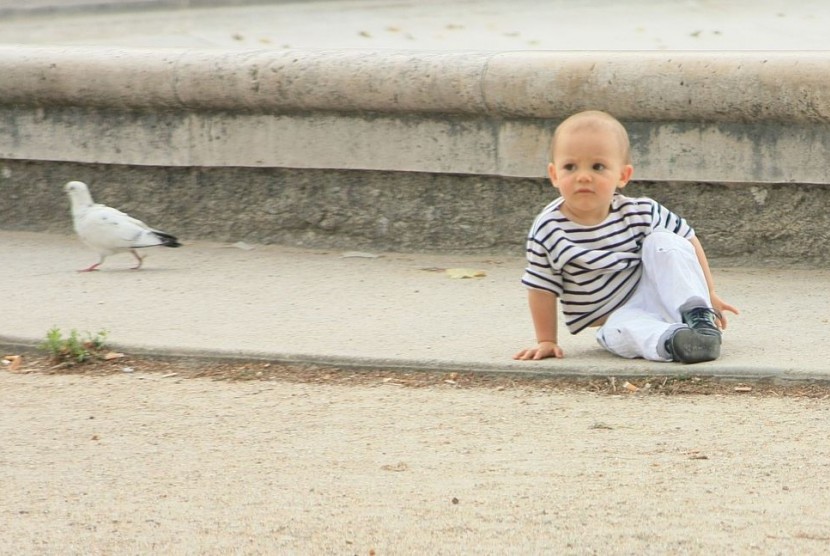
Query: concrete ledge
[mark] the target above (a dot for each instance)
(742, 87)
(411, 150)
(724, 117)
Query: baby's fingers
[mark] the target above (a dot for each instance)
(525, 354)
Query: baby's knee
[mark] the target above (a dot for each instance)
(663, 240)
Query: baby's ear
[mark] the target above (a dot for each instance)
(625, 175)
(552, 173)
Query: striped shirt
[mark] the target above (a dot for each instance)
(593, 269)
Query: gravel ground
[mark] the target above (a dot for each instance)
(138, 457)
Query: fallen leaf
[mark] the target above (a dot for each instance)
(113, 355)
(630, 387)
(465, 273)
(14, 362)
(400, 466)
(743, 389)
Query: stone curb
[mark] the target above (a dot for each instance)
(583, 371)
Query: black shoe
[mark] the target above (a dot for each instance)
(688, 345)
(701, 319)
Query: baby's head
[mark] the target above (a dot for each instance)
(594, 120)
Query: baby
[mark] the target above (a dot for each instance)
(627, 265)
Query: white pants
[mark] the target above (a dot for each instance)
(672, 278)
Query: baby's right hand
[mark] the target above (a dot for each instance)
(543, 350)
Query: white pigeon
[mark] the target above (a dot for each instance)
(108, 230)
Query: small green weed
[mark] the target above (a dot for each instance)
(73, 349)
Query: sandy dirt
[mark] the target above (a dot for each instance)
(146, 459)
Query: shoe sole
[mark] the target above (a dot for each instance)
(690, 346)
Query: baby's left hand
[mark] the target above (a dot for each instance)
(721, 306)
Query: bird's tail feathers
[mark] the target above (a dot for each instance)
(166, 239)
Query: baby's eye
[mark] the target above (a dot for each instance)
(569, 167)
(599, 167)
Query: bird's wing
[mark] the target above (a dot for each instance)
(109, 230)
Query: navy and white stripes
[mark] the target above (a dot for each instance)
(593, 269)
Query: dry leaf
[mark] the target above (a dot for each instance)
(630, 387)
(113, 355)
(14, 362)
(743, 389)
(400, 466)
(465, 273)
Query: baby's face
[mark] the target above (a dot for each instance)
(588, 167)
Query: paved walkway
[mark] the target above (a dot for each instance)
(393, 311)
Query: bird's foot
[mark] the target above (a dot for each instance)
(139, 258)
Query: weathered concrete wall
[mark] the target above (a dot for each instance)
(762, 224)
(410, 150)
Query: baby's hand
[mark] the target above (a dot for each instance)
(543, 350)
(721, 307)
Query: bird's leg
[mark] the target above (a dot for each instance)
(138, 257)
(94, 266)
